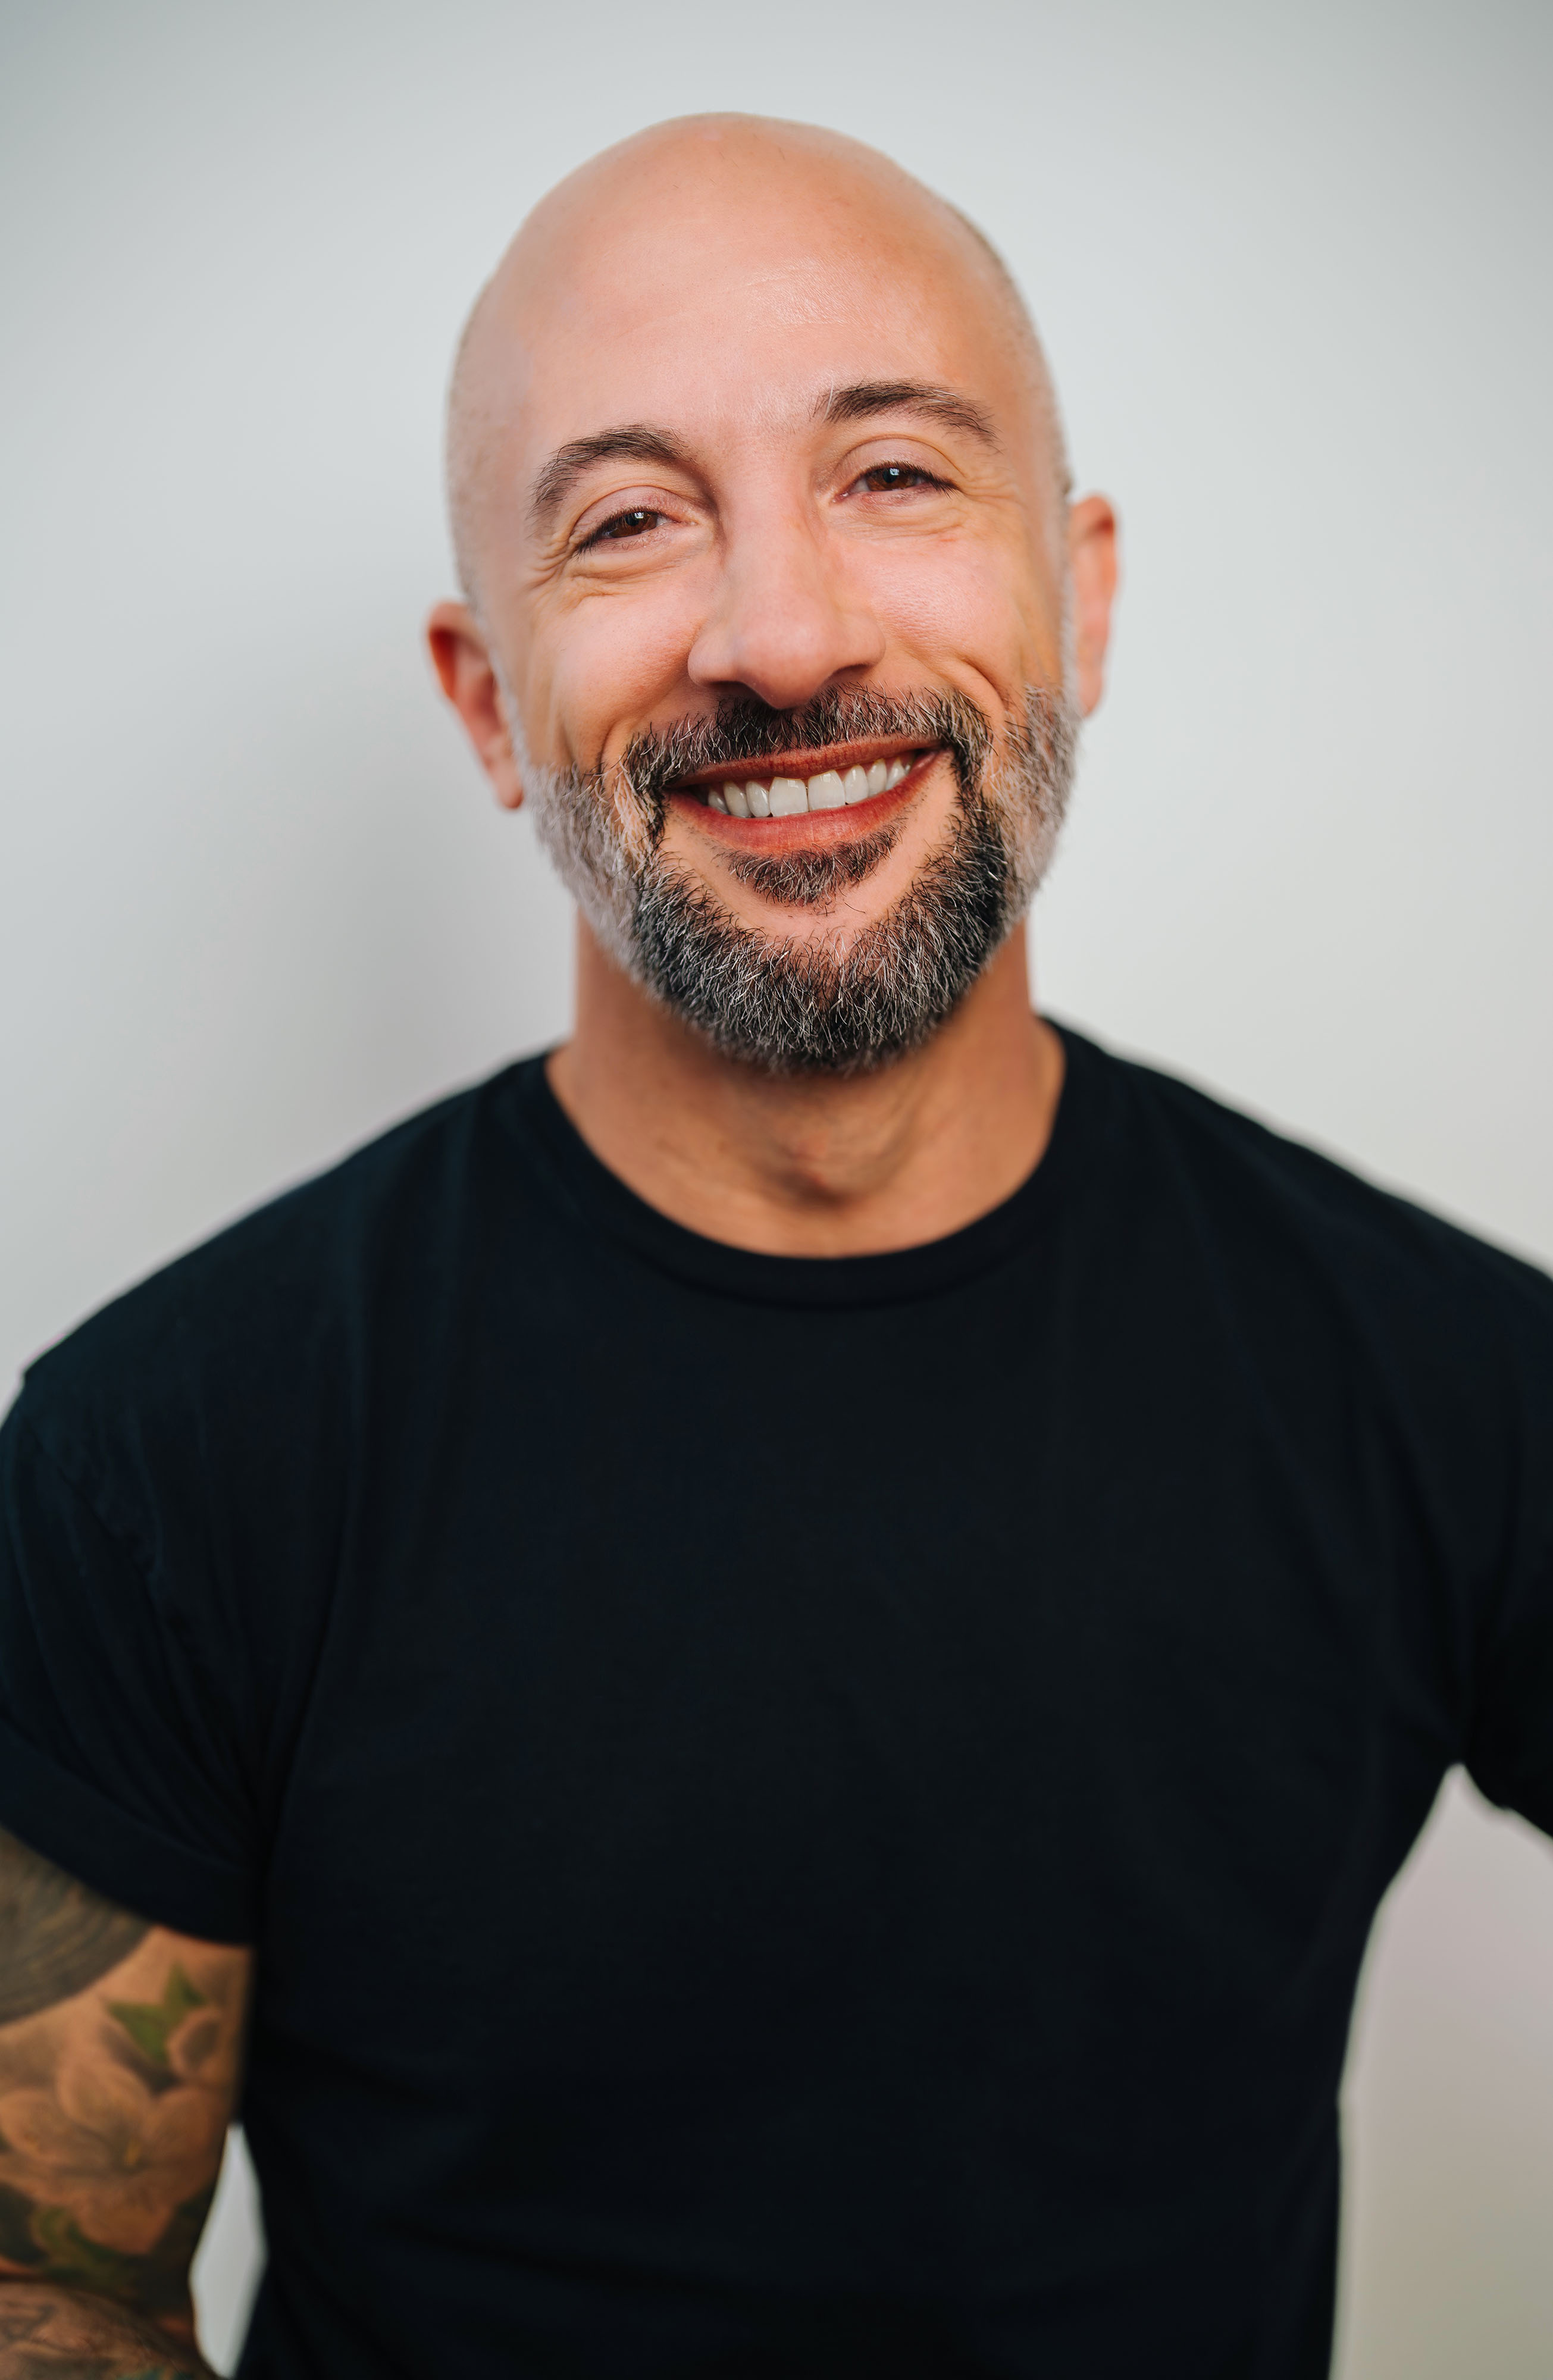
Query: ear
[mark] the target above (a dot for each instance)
(465, 670)
(1092, 563)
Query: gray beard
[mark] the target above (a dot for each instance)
(840, 1003)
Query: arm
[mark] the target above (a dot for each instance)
(120, 2046)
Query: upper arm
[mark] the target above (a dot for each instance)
(120, 2053)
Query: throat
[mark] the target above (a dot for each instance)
(806, 1165)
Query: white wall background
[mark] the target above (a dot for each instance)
(1292, 264)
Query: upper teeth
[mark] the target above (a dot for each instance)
(785, 797)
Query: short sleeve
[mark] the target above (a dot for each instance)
(116, 1761)
(1509, 1743)
(1510, 1752)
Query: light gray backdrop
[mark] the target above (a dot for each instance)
(1293, 267)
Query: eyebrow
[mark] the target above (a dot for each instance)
(945, 405)
(637, 441)
(641, 442)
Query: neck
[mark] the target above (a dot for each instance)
(809, 1165)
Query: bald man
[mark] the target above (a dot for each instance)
(756, 1683)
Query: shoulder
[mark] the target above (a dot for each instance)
(177, 1483)
(257, 1326)
(1268, 1204)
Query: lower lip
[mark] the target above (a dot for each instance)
(807, 828)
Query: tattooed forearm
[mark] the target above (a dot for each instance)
(118, 2080)
(58, 2335)
(55, 1936)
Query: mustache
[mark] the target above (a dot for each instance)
(744, 730)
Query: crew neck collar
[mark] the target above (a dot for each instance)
(604, 1202)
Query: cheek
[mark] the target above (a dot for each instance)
(605, 665)
(960, 602)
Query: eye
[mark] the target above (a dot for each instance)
(885, 478)
(638, 522)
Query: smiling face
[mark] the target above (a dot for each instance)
(754, 481)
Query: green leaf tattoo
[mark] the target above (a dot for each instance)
(152, 2284)
(74, 2258)
(150, 2024)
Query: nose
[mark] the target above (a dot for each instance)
(784, 623)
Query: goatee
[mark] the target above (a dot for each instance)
(839, 1002)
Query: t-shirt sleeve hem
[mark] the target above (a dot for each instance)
(1527, 1797)
(70, 1823)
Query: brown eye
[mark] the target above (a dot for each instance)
(886, 477)
(632, 524)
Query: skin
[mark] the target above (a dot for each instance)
(120, 2054)
(717, 279)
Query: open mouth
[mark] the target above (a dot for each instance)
(782, 795)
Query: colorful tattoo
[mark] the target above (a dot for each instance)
(118, 2074)
(54, 2335)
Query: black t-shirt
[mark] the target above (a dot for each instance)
(800, 1817)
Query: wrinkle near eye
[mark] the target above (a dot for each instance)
(624, 516)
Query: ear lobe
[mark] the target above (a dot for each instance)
(466, 674)
(1092, 563)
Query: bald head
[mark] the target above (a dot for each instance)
(653, 237)
(754, 459)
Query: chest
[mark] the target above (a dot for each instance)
(727, 1689)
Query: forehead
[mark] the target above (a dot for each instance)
(731, 307)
